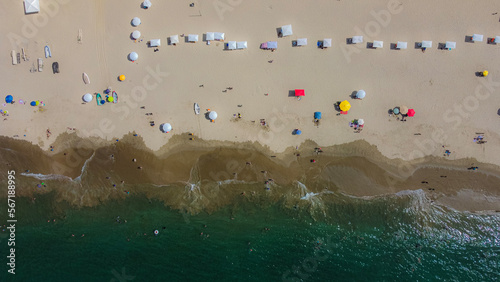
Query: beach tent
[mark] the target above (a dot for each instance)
(9, 99)
(241, 45)
(87, 97)
(378, 44)
(403, 110)
(411, 112)
(166, 127)
(193, 38)
(402, 45)
(136, 21)
(301, 41)
(286, 30)
(136, 34)
(327, 42)
(360, 94)
(357, 39)
(219, 36)
(477, 37)
(450, 45)
(497, 39)
(231, 45)
(174, 39)
(300, 92)
(133, 56)
(155, 43)
(345, 106)
(146, 4)
(212, 115)
(31, 6)
(426, 44)
(209, 36)
(361, 121)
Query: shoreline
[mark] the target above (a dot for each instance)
(355, 169)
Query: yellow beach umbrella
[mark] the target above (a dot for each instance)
(122, 77)
(485, 73)
(345, 106)
(110, 99)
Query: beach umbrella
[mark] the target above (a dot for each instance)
(361, 121)
(300, 92)
(411, 112)
(485, 73)
(361, 94)
(396, 111)
(212, 115)
(146, 4)
(110, 99)
(133, 56)
(121, 77)
(403, 110)
(166, 127)
(9, 99)
(136, 34)
(136, 21)
(345, 106)
(298, 131)
(87, 97)
(33, 103)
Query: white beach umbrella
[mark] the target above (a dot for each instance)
(231, 45)
(357, 39)
(450, 45)
(477, 37)
(402, 45)
(209, 36)
(361, 94)
(136, 21)
(146, 4)
(133, 56)
(31, 6)
(361, 121)
(327, 42)
(154, 43)
(166, 127)
(219, 36)
(378, 44)
(193, 37)
(497, 39)
(426, 44)
(136, 34)
(301, 41)
(212, 115)
(241, 45)
(87, 97)
(286, 30)
(174, 39)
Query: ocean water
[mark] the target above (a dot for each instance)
(325, 236)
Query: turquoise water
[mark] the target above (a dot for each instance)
(403, 238)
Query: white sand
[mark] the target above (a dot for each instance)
(432, 83)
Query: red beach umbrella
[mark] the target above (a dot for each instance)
(411, 112)
(300, 92)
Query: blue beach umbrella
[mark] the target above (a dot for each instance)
(33, 103)
(9, 99)
(298, 131)
(396, 111)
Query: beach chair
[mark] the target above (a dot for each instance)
(477, 37)
(357, 39)
(378, 44)
(401, 45)
(450, 45)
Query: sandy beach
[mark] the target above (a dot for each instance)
(452, 104)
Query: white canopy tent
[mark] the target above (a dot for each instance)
(133, 56)
(31, 6)
(241, 45)
(231, 45)
(136, 21)
(166, 127)
(378, 44)
(301, 41)
(402, 45)
(136, 34)
(193, 38)
(87, 97)
(212, 115)
(210, 36)
(219, 36)
(154, 43)
(174, 39)
(286, 30)
(357, 39)
(477, 37)
(426, 44)
(327, 42)
(450, 45)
